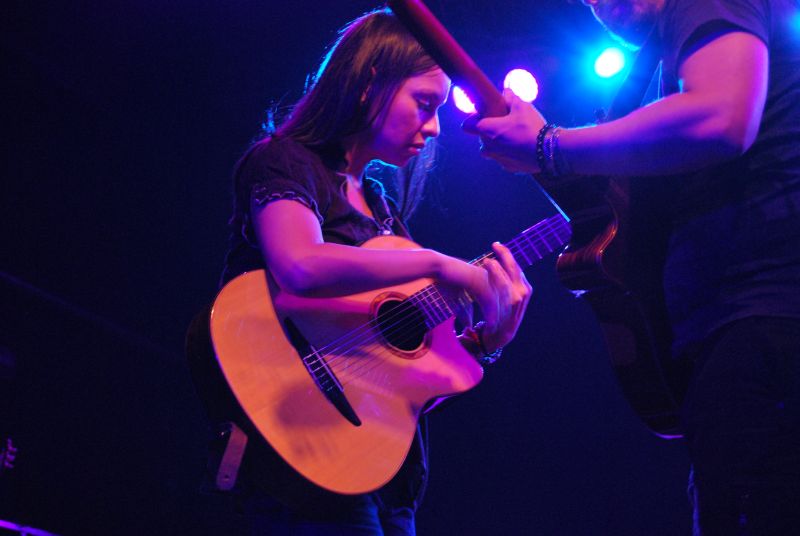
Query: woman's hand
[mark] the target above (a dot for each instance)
(510, 139)
(512, 292)
(500, 289)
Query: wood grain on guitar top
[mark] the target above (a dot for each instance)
(336, 386)
(387, 383)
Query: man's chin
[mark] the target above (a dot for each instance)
(632, 37)
(633, 41)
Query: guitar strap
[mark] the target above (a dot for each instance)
(227, 441)
(231, 458)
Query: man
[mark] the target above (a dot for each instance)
(728, 128)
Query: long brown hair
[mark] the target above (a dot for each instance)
(362, 71)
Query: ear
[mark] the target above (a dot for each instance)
(364, 95)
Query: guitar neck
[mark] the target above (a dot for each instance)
(531, 245)
(450, 56)
(536, 242)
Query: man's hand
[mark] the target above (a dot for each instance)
(510, 139)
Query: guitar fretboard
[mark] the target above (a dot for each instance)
(531, 245)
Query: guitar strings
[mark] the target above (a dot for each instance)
(405, 306)
(365, 366)
(357, 368)
(513, 245)
(362, 369)
(345, 344)
(384, 349)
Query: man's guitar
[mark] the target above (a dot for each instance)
(336, 385)
(614, 260)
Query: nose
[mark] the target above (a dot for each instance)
(430, 129)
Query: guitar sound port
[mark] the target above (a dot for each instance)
(402, 325)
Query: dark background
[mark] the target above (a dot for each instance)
(121, 123)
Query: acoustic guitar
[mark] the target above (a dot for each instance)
(336, 386)
(615, 258)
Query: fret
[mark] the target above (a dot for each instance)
(432, 305)
(435, 304)
(529, 246)
(441, 305)
(547, 244)
(532, 243)
(525, 257)
(430, 301)
(419, 300)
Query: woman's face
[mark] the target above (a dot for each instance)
(401, 128)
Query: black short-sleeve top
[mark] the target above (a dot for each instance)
(735, 244)
(281, 168)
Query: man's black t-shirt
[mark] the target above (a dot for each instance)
(735, 245)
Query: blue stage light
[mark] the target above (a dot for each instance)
(609, 63)
(795, 24)
(523, 84)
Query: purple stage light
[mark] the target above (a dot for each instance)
(462, 101)
(523, 84)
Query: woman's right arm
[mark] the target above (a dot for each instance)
(291, 243)
(302, 263)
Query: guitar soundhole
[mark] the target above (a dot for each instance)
(401, 324)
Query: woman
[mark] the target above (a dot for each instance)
(303, 203)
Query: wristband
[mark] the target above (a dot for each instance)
(544, 154)
(488, 357)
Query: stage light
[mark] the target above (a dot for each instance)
(523, 84)
(795, 23)
(462, 101)
(609, 63)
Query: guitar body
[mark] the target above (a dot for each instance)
(263, 338)
(615, 262)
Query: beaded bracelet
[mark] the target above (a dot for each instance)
(551, 160)
(543, 150)
(488, 357)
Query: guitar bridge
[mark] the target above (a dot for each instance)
(324, 378)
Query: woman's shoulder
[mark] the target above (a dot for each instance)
(280, 158)
(278, 166)
(281, 149)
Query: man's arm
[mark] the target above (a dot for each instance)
(715, 118)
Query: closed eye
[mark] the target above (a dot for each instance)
(425, 105)
(429, 101)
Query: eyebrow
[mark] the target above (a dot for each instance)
(431, 94)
